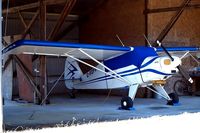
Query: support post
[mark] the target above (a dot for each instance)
(146, 22)
(27, 74)
(43, 71)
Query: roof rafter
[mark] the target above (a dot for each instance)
(32, 5)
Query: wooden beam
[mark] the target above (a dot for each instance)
(43, 70)
(160, 10)
(30, 24)
(65, 12)
(60, 35)
(32, 5)
(23, 22)
(42, 20)
(28, 75)
(43, 79)
(146, 21)
(22, 19)
(171, 23)
(81, 18)
(7, 62)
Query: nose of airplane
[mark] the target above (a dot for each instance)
(176, 62)
(170, 66)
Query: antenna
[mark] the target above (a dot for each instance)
(120, 40)
(147, 41)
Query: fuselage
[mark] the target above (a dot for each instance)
(136, 67)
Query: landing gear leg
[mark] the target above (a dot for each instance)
(174, 99)
(127, 102)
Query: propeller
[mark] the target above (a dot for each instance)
(164, 33)
(179, 67)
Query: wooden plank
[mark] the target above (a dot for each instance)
(65, 12)
(32, 5)
(60, 35)
(160, 10)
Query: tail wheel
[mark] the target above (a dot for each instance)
(72, 94)
(174, 97)
(126, 103)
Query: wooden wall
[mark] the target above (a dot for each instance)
(186, 31)
(122, 17)
(127, 19)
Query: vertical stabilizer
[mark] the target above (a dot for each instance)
(72, 72)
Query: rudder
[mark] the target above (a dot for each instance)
(72, 72)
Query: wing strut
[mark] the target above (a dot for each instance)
(116, 75)
(166, 97)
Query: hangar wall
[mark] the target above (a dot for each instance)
(122, 17)
(125, 18)
(186, 31)
(128, 19)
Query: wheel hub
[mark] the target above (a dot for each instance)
(125, 103)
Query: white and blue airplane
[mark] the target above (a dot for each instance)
(117, 67)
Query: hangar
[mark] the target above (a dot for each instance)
(26, 79)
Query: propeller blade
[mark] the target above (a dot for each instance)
(165, 50)
(185, 74)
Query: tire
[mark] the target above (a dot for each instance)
(126, 103)
(72, 94)
(174, 98)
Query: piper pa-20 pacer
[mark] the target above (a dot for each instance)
(117, 66)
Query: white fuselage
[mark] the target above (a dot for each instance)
(152, 68)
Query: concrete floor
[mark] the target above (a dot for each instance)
(85, 108)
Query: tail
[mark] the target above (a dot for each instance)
(72, 72)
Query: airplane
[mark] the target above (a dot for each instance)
(118, 67)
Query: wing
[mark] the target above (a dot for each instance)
(179, 51)
(99, 52)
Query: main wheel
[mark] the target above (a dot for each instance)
(174, 98)
(126, 103)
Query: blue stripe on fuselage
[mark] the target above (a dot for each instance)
(106, 77)
(123, 72)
